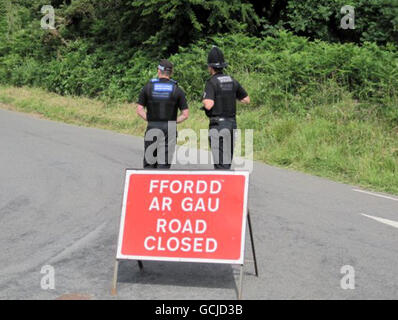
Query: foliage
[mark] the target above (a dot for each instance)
(280, 72)
(161, 26)
(375, 21)
(284, 71)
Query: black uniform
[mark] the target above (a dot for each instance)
(224, 91)
(162, 99)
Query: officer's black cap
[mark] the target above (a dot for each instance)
(216, 59)
(165, 65)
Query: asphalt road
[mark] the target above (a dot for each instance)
(60, 197)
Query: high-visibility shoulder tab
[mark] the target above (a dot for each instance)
(163, 87)
(155, 80)
(224, 79)
(175, 82)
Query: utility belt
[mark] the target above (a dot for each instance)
(216, 120)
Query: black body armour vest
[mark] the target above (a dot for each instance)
(225, 101)
(162, 101)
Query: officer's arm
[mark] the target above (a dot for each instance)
(183, 106)
(245, 100)
(241, 94)
(183, 116)
(141, 112)
(209, 96)
(208, 104)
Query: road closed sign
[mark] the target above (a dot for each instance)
(191, 216)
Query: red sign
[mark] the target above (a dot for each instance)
(192, 216)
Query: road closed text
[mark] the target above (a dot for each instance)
(194, 242)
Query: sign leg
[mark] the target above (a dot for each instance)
(114, 283)
(252, 243)
(240, 290)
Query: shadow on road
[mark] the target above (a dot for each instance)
(179, 274)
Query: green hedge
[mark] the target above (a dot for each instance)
(284, 71)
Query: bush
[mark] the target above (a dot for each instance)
(281, 72)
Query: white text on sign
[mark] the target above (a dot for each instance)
(176, 226)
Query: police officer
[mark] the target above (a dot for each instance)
(219, 102)
(158, 104)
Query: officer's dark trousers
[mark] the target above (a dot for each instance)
(221, 138)
(160, 143)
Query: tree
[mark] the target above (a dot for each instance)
(3, 21)
(163, 25)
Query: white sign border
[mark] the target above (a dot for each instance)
(130, 172)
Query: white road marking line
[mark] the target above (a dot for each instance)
(375, 194)
(385, 221)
